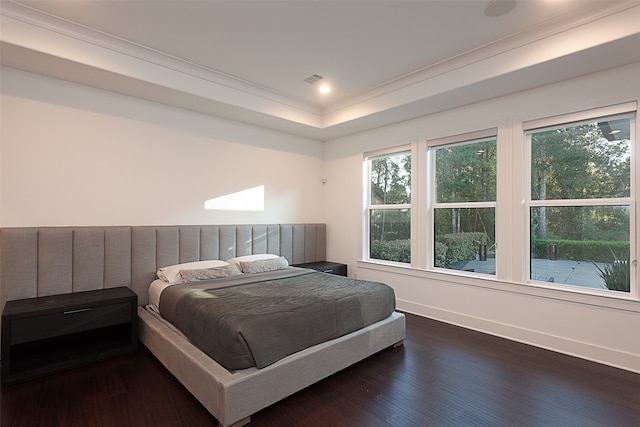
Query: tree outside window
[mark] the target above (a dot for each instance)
(464, 207)
(389, 207)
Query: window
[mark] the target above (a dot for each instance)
(464, 205)
(389, 206)
(565, 189)
(580, 203)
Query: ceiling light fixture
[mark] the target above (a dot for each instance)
(325, 88)
(499, 7)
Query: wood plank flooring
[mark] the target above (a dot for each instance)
(442, 376)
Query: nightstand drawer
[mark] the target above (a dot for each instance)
(69, 322)
(326, 267)
(332, 270)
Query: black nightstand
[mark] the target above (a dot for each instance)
(49, 334)
(326, 267)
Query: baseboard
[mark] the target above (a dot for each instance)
(606, 356)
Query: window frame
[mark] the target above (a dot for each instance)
(368, 206)
(627, 110)
(485, 135)
(513, 186)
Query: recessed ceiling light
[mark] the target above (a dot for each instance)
(325, 88)
(499, 7)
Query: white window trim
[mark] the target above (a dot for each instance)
(475, 136)
(488, 134)
(513, 191)
(623, 110)
(367, 206)
(580, 116)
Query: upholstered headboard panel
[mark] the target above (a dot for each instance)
(56, 260)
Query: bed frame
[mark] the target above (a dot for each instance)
(57, 260)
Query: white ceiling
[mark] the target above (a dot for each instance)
(385, 60)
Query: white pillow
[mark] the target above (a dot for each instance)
(249, 258)
(230, 270)
(264, 265)
(171, 273)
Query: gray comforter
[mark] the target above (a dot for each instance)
(257, 319)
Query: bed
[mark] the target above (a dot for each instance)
(54, 260)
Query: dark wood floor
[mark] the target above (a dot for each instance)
(442, 376)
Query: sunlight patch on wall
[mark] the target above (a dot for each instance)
(251, 199)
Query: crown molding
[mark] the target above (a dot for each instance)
(560, 24)
(89, 36)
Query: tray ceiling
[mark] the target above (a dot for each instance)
(386, 61)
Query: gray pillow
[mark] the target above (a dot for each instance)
(210, 273)
(264, 265)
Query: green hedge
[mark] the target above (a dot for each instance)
(580, 250)
(450, 249)
(441, 254)
(455, 247)
(458, 247)
(391, 250)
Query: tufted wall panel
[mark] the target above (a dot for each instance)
(56, 260)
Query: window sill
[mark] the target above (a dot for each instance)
(624, 302)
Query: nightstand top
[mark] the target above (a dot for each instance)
(318, 264)
(48, 303)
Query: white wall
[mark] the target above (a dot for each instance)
(593, 327)
(74, 155)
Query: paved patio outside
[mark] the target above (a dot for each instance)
(577, 273)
